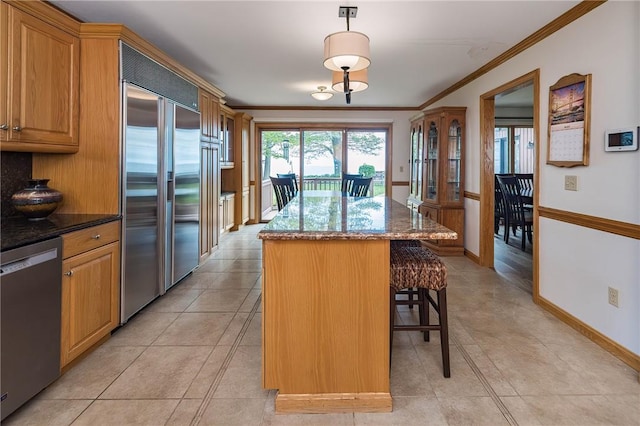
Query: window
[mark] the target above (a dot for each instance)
(513, 150)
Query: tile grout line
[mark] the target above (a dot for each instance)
(223, 368)
(485, 383)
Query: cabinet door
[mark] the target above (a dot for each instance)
(214, 197)
(230, 213)
(206, 126)
(416, 160)
(431, 160)
(222, 214)
(4, 70)
(90, 295)
(230, 134)
(453, 178)
(205, 200)
(245, 207)
(43, 86)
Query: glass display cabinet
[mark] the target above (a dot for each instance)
(437, 172)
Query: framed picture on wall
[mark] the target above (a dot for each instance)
(569, 121)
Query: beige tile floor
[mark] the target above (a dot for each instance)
(193, 358)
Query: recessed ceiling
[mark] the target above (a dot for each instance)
(269, 53)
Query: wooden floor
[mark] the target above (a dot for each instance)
(511, 261)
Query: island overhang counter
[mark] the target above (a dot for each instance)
(325, 306)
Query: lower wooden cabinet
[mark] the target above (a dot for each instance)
(245, 207)
(227, 211)
(452, 218)
(90, 288)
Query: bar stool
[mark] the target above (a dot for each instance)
(409, 292)
(419, 268)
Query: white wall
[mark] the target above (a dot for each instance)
(399, 133)
(577, 264)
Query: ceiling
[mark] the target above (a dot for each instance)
(269, 53)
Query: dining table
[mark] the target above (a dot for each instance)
(325, 307)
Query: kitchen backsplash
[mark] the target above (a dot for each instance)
(15, 171)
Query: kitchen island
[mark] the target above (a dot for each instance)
(325, 286)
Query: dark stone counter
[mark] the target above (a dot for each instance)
(18, 231)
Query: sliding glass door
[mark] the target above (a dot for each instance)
(320, 156)
(366, 155)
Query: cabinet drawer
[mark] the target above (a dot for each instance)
(86, 239)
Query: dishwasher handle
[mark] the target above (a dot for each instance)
(28, 262)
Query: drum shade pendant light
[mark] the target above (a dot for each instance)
(321, 95)
(346, 50)
(358, 81)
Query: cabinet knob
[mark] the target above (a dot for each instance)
(96, 237)
(17, 128)
(3, 127)
(69, 273)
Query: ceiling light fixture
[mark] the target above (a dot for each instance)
(321, 95)
(346, 50)
(358, 81)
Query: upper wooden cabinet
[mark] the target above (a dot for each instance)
(209, 111)
(227, 137)
(39, 97)
(437, 172)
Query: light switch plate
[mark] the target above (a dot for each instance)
(571, 183)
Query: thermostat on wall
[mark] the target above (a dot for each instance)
(621, 139)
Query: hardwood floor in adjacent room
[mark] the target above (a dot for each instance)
(509, 260)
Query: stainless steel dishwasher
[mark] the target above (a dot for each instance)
(30, 298)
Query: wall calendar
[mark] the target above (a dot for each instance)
(569, 113)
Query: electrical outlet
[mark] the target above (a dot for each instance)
(613, 296)
(571, 183)
(401, 169)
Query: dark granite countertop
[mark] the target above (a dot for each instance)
(326, 215)
(18, 231)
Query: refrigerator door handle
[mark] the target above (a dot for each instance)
(171, 186)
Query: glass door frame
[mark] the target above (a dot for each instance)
(302, 127)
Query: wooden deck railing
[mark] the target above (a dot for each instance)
(317, 183)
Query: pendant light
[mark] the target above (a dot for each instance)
(358, 81)
(346, 50)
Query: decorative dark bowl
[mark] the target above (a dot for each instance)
(37, 200)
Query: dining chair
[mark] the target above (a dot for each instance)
(517, 215)
(499, 211)
(290, 176)
(284, 189)
(525, 180)
(360, 187)
(347, 182)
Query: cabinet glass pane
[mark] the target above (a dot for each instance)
(453, 152)
(416, 162)
(431, 159)
(229, 139)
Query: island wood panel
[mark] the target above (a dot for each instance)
(326, 324)
(89, 180)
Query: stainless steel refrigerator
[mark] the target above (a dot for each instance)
(160, 196)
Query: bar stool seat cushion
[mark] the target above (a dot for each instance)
(417, 267)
